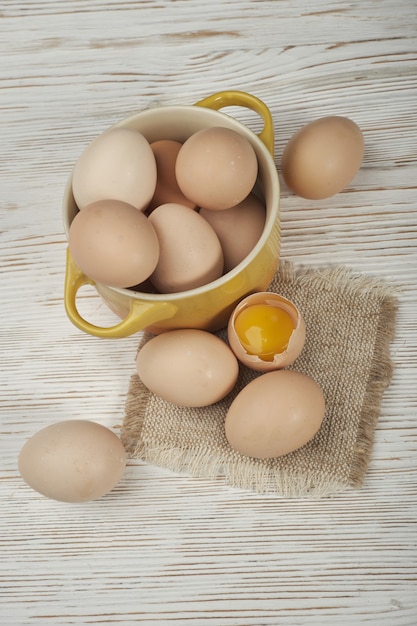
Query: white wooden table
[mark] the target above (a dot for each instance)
(164, 548)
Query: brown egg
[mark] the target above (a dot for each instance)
(119, 165)
(266, 331)
(190, 251)
(216, 168)
(187, 367)
(323, 157)
(238, 228)
(73, 461)
(275, 414)
(113, 243)
(167, 189)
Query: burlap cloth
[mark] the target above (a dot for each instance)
(350, 322)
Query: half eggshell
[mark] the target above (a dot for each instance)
(296, 341)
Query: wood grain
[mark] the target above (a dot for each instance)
(163, 548)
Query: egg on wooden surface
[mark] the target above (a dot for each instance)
(238, 228)
(167, 189)
(73, 461)
(266, 331)
(216, 168)
(187, 367)
(119, 165)
(113, 243)
(275, 414)
(323, 157)
(190, 252)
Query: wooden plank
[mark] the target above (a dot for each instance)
(163, 548)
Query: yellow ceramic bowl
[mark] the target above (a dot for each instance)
(210, 306)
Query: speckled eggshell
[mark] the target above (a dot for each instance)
(323, 157)
(167, 189)
(275, 414)
(216, 168)
(113, 243)
(190, 252)
(73, 461)
(187, 367)
(118, 165)
(238, 228)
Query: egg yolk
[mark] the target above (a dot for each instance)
(264, 330)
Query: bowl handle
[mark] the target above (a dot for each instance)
(241, 98)
(140, 316)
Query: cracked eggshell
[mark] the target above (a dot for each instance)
(296, 341)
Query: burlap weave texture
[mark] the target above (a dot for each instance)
(350, 321)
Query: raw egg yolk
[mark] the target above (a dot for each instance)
(264, 330)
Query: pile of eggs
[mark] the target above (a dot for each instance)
(170, 217)
(164, 216)
(167, 217)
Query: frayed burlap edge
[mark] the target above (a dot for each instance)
(382, 366)
(380, 377)
(201, 463)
